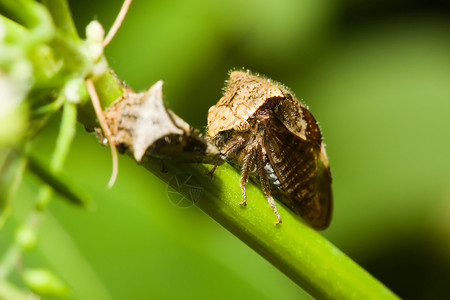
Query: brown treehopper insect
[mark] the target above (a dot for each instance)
(261, 128)
(141, 123)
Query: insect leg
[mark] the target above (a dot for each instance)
(211, 172)
(264, 181)
(249, 162)
(163, 167)
(233, 145)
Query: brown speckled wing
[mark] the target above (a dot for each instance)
(303, 172)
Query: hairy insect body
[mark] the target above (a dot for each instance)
(262, 129)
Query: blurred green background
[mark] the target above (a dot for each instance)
(376, 74)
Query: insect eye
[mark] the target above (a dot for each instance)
(241, 125)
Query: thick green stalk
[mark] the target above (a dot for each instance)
(293, 247)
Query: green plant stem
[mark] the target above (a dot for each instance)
(11, 176)
(65, 136)
(32, 15)
(293, 247)
(62, 148)
(59, 184)
(9, 260)
(62, 16)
